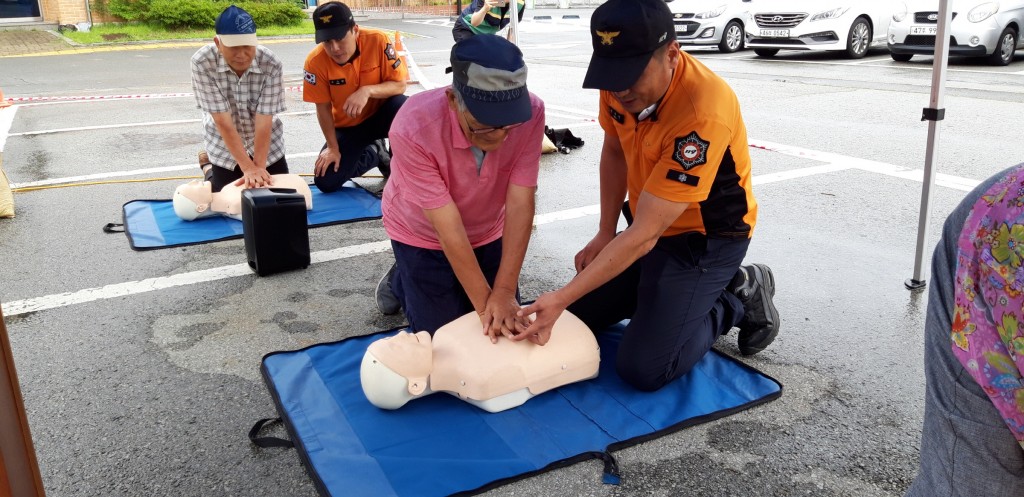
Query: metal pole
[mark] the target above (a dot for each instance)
(933, 114)
(514, 28)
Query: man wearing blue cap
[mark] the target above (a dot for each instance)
(675, 141)
(239, 87)
(460, 202)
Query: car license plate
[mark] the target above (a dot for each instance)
(775, 33)
(923, 30)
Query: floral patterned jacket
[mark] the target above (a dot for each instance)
(988, 322)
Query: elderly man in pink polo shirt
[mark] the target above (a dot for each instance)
(459, 204)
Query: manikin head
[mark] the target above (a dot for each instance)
(395, 370)
(192, 200)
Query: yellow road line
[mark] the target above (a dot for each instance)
(172, 44)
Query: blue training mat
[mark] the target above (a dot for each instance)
(440, 445)
(152, 224)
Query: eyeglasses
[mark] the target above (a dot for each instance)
(484, 131)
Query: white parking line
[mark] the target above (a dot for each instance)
(834, 162)
(54, 301)
(135, 172)
(148, 285)
(6, 120)
(875, 61)
(571, 110)
(844, 162)
(133, 125)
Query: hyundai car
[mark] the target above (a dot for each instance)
(846, 26)
(979, 28)
(710, 23)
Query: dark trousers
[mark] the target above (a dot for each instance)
(357, 156)
(461, 31)
(426, 286)
(221, 177)
(677, 303)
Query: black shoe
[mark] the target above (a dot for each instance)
(760, 322)
(384, 166)
(387, 303)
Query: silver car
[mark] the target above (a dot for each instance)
(979, 28)
(710, 22)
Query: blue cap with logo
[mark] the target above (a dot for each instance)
(489, 72)
(625, 33)
(235, 27)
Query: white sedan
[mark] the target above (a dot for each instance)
(980, 28)
(848, 26)
(710, 22)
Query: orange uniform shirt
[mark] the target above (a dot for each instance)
(375, 62)
(692, 149)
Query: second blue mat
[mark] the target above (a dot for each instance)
(152, 224)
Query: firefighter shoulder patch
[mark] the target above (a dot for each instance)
(691, 151)
(310, 78)
(389, 51)
(619, 118)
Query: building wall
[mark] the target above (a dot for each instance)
(70, 12)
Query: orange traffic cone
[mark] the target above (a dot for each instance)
(3, 101)
(400, 50)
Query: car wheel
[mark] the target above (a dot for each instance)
(766, 52)
(1003, 54)
(859, 39)
(732, 38)
(901, 57)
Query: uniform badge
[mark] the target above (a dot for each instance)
(683, 178)
(619, 118)
(310, 78)
(390, 52)
(691, 151)
(396, 64)
(337, 82)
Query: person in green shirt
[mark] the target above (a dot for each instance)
(485, 17)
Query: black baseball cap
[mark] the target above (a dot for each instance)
(625, 33)
(332, 21)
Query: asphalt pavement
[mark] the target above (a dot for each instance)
(140, 370)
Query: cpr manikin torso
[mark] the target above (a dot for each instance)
(462, 361)
(196, 199)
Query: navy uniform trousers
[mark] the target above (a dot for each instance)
(676, 300)
(357, 156)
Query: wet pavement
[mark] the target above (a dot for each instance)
(151, 391)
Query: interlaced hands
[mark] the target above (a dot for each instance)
(500, 315)
(255, 178)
